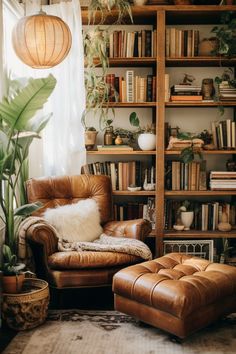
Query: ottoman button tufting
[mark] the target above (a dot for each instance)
(178, 293)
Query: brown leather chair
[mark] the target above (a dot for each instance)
(78, 269)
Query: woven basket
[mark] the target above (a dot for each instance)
(28, 308)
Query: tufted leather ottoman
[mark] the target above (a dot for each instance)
(177, 293)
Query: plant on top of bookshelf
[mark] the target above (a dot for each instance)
(226, 35)
(104, 7)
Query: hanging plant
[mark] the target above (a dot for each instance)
(96, 44)
(226, 35)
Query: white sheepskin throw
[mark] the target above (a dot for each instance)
(76, 222)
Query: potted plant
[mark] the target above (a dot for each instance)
(226, 35)
(18, 128)
(98, 91)
(186, 214)
(146, 135)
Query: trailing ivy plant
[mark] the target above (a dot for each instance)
(96, 42)
(188, 154)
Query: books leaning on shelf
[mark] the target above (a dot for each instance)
(181, 43)
(131, 88)
(186, 176)
(114, 148)
(224, 134)
(222, 180)
(125, 44)
(122, 173)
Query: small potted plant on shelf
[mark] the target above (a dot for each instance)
(146, 135)
(18, 128)
(226, 35)
(186, 215)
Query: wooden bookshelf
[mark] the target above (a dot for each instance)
(160, 17)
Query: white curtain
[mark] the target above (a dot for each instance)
(62, 148)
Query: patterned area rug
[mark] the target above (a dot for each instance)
(110, 332)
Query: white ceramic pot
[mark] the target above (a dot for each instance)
(147, 141)
(187, 219)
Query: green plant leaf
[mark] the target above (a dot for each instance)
(27, 209)
(17, 112)
(133, 119)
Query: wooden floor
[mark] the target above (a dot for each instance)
(93, 299)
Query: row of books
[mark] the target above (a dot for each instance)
(181, 43)
(206, 215)
(122, 173)
(226, 91)
(135, 210)
(124, 44)
(186, 176)
(223, 134)
(222, 180)
(131, 88)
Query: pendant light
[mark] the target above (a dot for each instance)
(41, 41)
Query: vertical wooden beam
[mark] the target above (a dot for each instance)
(160, 173)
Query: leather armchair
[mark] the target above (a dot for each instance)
(78, 269)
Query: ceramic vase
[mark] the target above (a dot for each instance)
(187, 219)
(147, 141)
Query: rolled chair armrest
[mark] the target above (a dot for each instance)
(138, 228)
(43, 242)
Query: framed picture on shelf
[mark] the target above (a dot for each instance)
(198, 248)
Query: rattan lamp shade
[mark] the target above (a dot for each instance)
(41, 41)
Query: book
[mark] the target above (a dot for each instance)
(114, 147)
(185, 98)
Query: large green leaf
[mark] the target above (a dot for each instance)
(17, 112)
(27, 209)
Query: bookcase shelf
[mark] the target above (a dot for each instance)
(199, 234)
(138, 193)
(93, 152)
(131, 104)
(200, 193)
(131, 61)
(205, 152)
(200, 104)
(200, 61)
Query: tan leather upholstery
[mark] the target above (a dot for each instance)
(73, 269)
(177, 292)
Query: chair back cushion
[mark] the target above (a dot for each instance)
(56, 191)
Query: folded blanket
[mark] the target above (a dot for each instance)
(110, 244)
(103, 243)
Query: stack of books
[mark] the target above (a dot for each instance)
(227, 92)
(222, 180)
(186, 93)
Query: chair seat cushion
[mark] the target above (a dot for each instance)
(89, 259)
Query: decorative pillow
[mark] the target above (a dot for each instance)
(76, 222)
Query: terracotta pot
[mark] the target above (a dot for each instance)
(12, 284)
(90, 139)
(207, 46)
